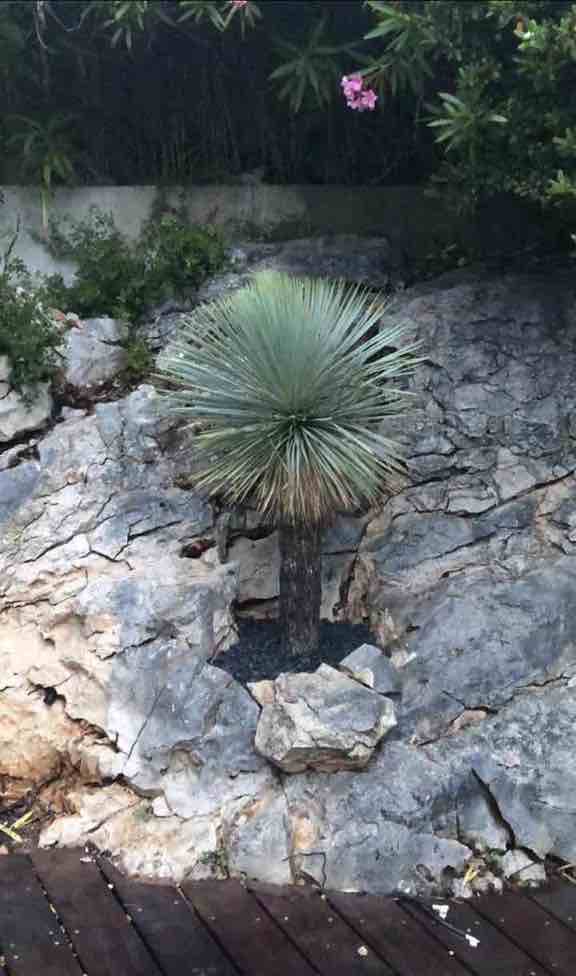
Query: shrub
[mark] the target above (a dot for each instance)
(29, 336)
(117, 277)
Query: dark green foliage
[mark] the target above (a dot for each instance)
(29, 336)
(115, 276)
(139, 360)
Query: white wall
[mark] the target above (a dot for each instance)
(403, 214)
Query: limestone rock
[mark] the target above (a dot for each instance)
(92, 560)
(257, 843)
(21, 413)
(479, 827)
(516, 866)
(184, 730)
(94, 352)
(472, 561)
(391, 826)
(363, 260)
(524, 759)
(34, 743)
(142, 845)
(369, 665)
(322, 721)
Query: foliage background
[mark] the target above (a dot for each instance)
(188, 103)
(476, 96)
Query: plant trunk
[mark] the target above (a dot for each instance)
(300, 588)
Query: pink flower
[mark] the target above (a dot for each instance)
(351, 84)
(238, 4)
(367, 100)
(357, 97)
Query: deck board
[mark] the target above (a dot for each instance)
(319, 932)
(559, 900)
(244, 928)
(398, 938)
(170, 927)
(494, 956)
(527, 924)
(106, 941)
(30, 937)
(65, 914)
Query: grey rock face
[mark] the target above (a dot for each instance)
(92, 560)
(392, 826)
(320, 721)
(94, 352)
(184, 730)
(19, 415)
(466, 576)
(524, 759)
(517, 866)
(369, 665)
(364, 260)
(468, 572)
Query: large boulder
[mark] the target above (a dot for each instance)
(467, 574)
(21, 412)
(322, 721)
(93, 567)
(95, 352)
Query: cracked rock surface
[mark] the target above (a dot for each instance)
(323, 721)
(113, 593)
(94, 352)
(19, 416)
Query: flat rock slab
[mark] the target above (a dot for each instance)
(95, 352)
(370, 666)
(323, 721)
(21, 413)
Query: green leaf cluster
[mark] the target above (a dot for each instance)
(294, 383)
(506, 121)
(116, 276)
(29, 336)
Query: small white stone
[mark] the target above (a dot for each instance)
(363, 951)
(441, 910)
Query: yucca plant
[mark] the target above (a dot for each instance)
(289, 380)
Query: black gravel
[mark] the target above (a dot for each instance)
(258, 653)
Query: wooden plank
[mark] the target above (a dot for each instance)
(559, 899)
(170, 927)
(249, 936)
(399, 939)
(520, 919)
(30, 937)
(319, 932)
(106, 942)
(494, 956)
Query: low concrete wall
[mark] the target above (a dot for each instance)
(404, 214)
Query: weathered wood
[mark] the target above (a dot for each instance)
(244, 928)
(71, 922)
(399, 939)
(319, 932)
(494, 956)
(30, 937)
(528, 925)
(106, 941)
(170, 927)
(558, 899)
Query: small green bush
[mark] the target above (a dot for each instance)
(121, 278)
(29, 336)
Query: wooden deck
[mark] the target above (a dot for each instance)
(64, 914)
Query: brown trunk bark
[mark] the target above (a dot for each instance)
(300, 588)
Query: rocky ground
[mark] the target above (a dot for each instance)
(114, 603)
